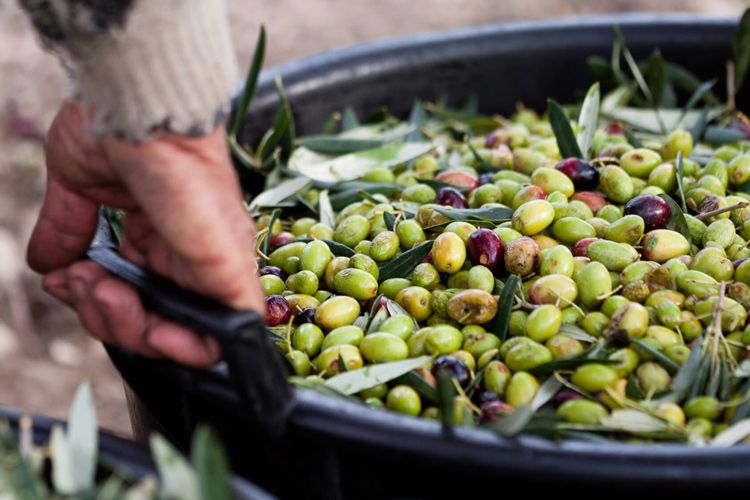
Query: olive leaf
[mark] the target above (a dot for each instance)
(714, 379)
(367, 377)
(700, 381)
(515, 422)
(83, 437)
(631, 420)
(679, 163)
(445, 392)
(657, 78)
(338, 249)
(417, 119)
(264, 247)
(344, 198)
(282, 192)
(350, 120)
(211, 463)
(419, 384)
(700, 92)
(178, 478)
(644, 120)
(676, 221)
(327, 216)
(483, 165)
(312, 385)
(588, 120)
(355, 165)
(686, 375)
(741, 50)
(732, 435)
(390, 221)
(494, 214)
(402, 265)
(722, 135)
(686, 81)
(699, 128)
(566, 138)
(377, 320)
(499, 325)
(631, 137)
(16, 473)
(568, 362)
(274, 134)
(577, 333)
(251, 82)
(743, 410)
(357, 139)
(331, 125)
(662, 358)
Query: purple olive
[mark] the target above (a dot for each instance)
(281, 239)
(737, 262)
(278, 311)
(614, 129)
(653, 210)
(272, 270)
(307, 315)
(583, 174)
(373, 308)
(492, 411)
(580, 249)
(451, 197)
(486, 178)
(482, 397)
(742, 127)
(564, 396)
(454, 366)
(485, 248)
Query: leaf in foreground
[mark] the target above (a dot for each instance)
(404, 263)
(629, 420)
(515, 422)
(178, 478)
(211, 463)
(251, 82)
(566, 138)
(741, 51)
(732, 435)
(446, 392)
(588, 120)
(83, 437)
(501, 321)
(354, 381)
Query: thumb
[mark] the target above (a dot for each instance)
(64, 230)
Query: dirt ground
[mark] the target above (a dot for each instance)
(44, 354)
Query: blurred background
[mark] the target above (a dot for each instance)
(44, 354)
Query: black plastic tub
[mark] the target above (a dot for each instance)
(116, 453)
(335, 449)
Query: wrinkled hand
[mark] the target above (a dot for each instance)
(183, 219)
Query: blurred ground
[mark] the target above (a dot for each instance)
(44, 354)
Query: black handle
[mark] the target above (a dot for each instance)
(245, 343)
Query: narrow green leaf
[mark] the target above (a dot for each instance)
(699, 94)
(721, 135)
(601, 71)
(568, 362)
(178, 478)
(212, 465)
(577, 333)
(344, 198)
(699, 128)
(303, 201)
(358, 380)
(342, 365)
(446, 392)
(336, 145)
(499, 325)
(114, 219)
(275, 133)
(327, 216)
(304, 383)
(338, 249)
(291, 128)
(390, 221)
(63, 468)
(419, 384)
(417, 119)
(676, 221)
(517, 421)
(402, 265)
(741, 50)
(483, 165)
(700, 381)
(350, 119)
(266, 245)
(743, 410)
(632, 139)
(686, 375)
(283, 191)
(645, 120)
(83, 438)
(378, 116)
(732, 435)
(251, 82)
(714, 380)
(656, 76)
(634, 421)
(725, 388)
(588, 120)
(679, 163)
(566, 138)
(469, 214)
(687, 81)
(662, 358)
(632, 390)
(355, 165)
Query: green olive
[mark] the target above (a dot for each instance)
(521, 389)
(582, 411)
(448, 253)
(343, 335)
(380, 346)
(404, 399)
(337, 311)
(416, 301)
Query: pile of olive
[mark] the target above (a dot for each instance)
(594, 243)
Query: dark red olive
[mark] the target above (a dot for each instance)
(594, 201)
(742, 127)
(272, 270)
(485, 248)
(582, 173)
(564, 396)
(580, 249)
(307, 315)
(278, 311)
(481, 397)
(372, 308)
(653, 210)
(427, 259)
(454, 366)
(492, 411)
(281, 239)
(486, 178)
(737, 262)
(614, 129)
(451, 197)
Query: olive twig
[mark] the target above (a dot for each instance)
(706, 215)
(465, 398)
(608, 294)
(569, 302)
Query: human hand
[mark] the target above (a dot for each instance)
(184, 220)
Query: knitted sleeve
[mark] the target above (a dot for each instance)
(143, 66)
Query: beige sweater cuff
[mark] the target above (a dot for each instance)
(169, 66)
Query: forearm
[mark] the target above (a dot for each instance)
(143, 66)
